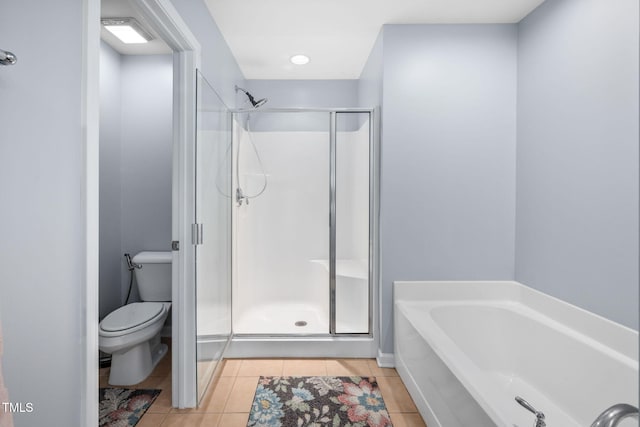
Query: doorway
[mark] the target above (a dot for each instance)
(166, 23)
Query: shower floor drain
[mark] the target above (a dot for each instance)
(301, 323)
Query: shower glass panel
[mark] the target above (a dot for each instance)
(352, 223)
(213, 204)
(281, 223)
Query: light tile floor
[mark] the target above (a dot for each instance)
(228, 401)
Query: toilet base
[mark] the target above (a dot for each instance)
(135, 365)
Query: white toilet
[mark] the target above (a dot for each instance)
(131, 334)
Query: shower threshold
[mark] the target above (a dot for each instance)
(260, 346)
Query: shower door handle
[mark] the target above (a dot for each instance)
(196, 234)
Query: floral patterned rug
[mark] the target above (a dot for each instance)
(121, 407)
(318, 402)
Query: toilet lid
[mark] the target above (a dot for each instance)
(132, 315)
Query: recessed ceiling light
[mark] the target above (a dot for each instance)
(127, 30)
(299, 59)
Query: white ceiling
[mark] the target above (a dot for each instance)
(336, 34)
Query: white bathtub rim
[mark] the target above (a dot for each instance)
(522, 309)
(610, 333)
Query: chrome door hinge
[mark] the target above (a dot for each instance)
(196, 234)
(175, 245)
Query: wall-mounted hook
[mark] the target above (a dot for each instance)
(7, 58)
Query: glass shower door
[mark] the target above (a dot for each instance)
(352, 217)
(212, 231)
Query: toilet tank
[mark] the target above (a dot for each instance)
(154, 278)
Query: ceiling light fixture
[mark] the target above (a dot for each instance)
(299, 59)
(127, 30)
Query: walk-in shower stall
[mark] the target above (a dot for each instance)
(303, 223)
(284, 230)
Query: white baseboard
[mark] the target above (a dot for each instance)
(386, 360)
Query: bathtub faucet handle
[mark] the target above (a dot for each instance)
(539, 415)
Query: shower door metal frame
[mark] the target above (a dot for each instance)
(333, 119)
(373, 243)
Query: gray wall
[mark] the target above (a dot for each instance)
(577, 186)
(146, 155)
(448, 156)
(303, 93)
(110, 180)
(219, 66)
(370, 82)
(370, 87)
(42, 217)
(300, 94)
(135, 165)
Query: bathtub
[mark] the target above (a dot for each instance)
(466, 349)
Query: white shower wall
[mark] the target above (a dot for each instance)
(281, 237)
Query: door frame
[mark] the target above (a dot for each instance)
(162, 16)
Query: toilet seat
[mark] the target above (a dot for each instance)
(131, 318)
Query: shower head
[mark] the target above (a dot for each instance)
(259, 103)
(256, 104)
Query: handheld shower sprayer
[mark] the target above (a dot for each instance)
(240, 197)
(256, 104)
(130, 264)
